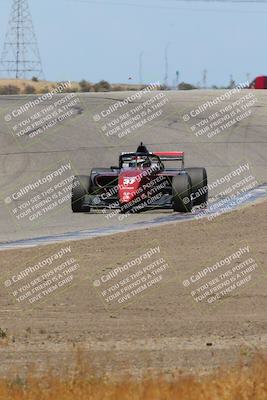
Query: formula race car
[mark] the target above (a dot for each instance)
(141, 182)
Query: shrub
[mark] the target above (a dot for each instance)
(85, 86)
(9, 89)
(35, 79)
(186, 86)
(163, 87)
(29, 89)
(102, 86)
(71, 90)
(44, 90)
(3, 334)
(117, 88)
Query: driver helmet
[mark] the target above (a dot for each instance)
(140, 161)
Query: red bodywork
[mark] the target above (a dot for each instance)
(259, 83)
(169, 154)
(132, 184)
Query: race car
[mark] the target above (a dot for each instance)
(142, 181)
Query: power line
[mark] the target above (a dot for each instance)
(142, 3)
(172, 6)
(153, 4)
(222, 1)
(20, 57)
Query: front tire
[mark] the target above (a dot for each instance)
(80, 188)
(181, 191)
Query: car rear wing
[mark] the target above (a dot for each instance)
(163, 155)
(171, 156)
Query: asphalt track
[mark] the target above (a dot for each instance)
(254, 195)
(81, 140)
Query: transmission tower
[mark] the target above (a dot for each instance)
(204, 79)
(20, 57)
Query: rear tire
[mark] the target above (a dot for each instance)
(181, 191)
(80, 188)
(199, 182)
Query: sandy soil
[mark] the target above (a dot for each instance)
(160, 328)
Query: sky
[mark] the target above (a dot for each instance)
(103, 39)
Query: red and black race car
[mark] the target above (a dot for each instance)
(140, 182)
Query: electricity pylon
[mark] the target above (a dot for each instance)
(20, 57)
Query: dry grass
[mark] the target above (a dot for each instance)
(47, 86)
(40, 86)
(239, 383)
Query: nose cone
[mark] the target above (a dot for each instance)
(129, 184)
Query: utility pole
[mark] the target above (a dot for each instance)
(204, 79)
(177, 80)
(166, 78)
(20, 58)
(141, 68)
(232, 82)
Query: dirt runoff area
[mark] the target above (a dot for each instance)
(189, 296)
